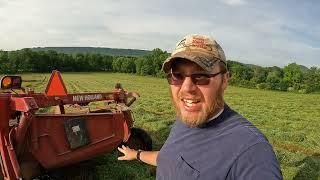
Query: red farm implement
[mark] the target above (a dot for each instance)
(31, 140)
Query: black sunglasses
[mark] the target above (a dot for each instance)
(198, 78)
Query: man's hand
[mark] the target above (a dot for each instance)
(129, 154)
(149, 157)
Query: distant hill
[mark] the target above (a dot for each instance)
(243, 64)
(125, 52)
(95, 50)
(304, 69)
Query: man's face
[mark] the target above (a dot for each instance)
(196, 103)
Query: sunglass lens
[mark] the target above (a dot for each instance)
(175, 78)
(197, 78)
(200, 79)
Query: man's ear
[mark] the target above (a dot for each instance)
(225, 78)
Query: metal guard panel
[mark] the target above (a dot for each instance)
(52, 148)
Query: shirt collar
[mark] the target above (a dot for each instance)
(217, 115)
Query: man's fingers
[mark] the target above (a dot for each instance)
(128, 153)
(121, 158)
(121, 150)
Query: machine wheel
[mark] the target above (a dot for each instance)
(139, 139)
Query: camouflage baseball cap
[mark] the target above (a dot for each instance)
(201, 49)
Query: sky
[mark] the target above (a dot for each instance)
(260, 32)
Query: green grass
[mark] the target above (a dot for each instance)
(290, 121)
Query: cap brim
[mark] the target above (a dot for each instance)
(192, 56)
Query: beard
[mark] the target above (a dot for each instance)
(196, 119)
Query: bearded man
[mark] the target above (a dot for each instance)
(208, 140)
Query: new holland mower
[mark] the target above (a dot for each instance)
(32, 141)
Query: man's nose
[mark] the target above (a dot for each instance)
(188, 85)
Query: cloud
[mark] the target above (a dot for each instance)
(264, 33)
(234, 2)
(3, 3)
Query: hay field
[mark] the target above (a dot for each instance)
(290, 121)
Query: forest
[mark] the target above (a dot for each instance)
(292, 77)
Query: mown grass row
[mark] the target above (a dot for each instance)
(290, 121)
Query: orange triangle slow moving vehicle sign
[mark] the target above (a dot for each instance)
(56, 86)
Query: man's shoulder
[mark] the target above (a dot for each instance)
(238, 133)
(244, 130)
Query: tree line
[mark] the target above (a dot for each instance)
(290, 78)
